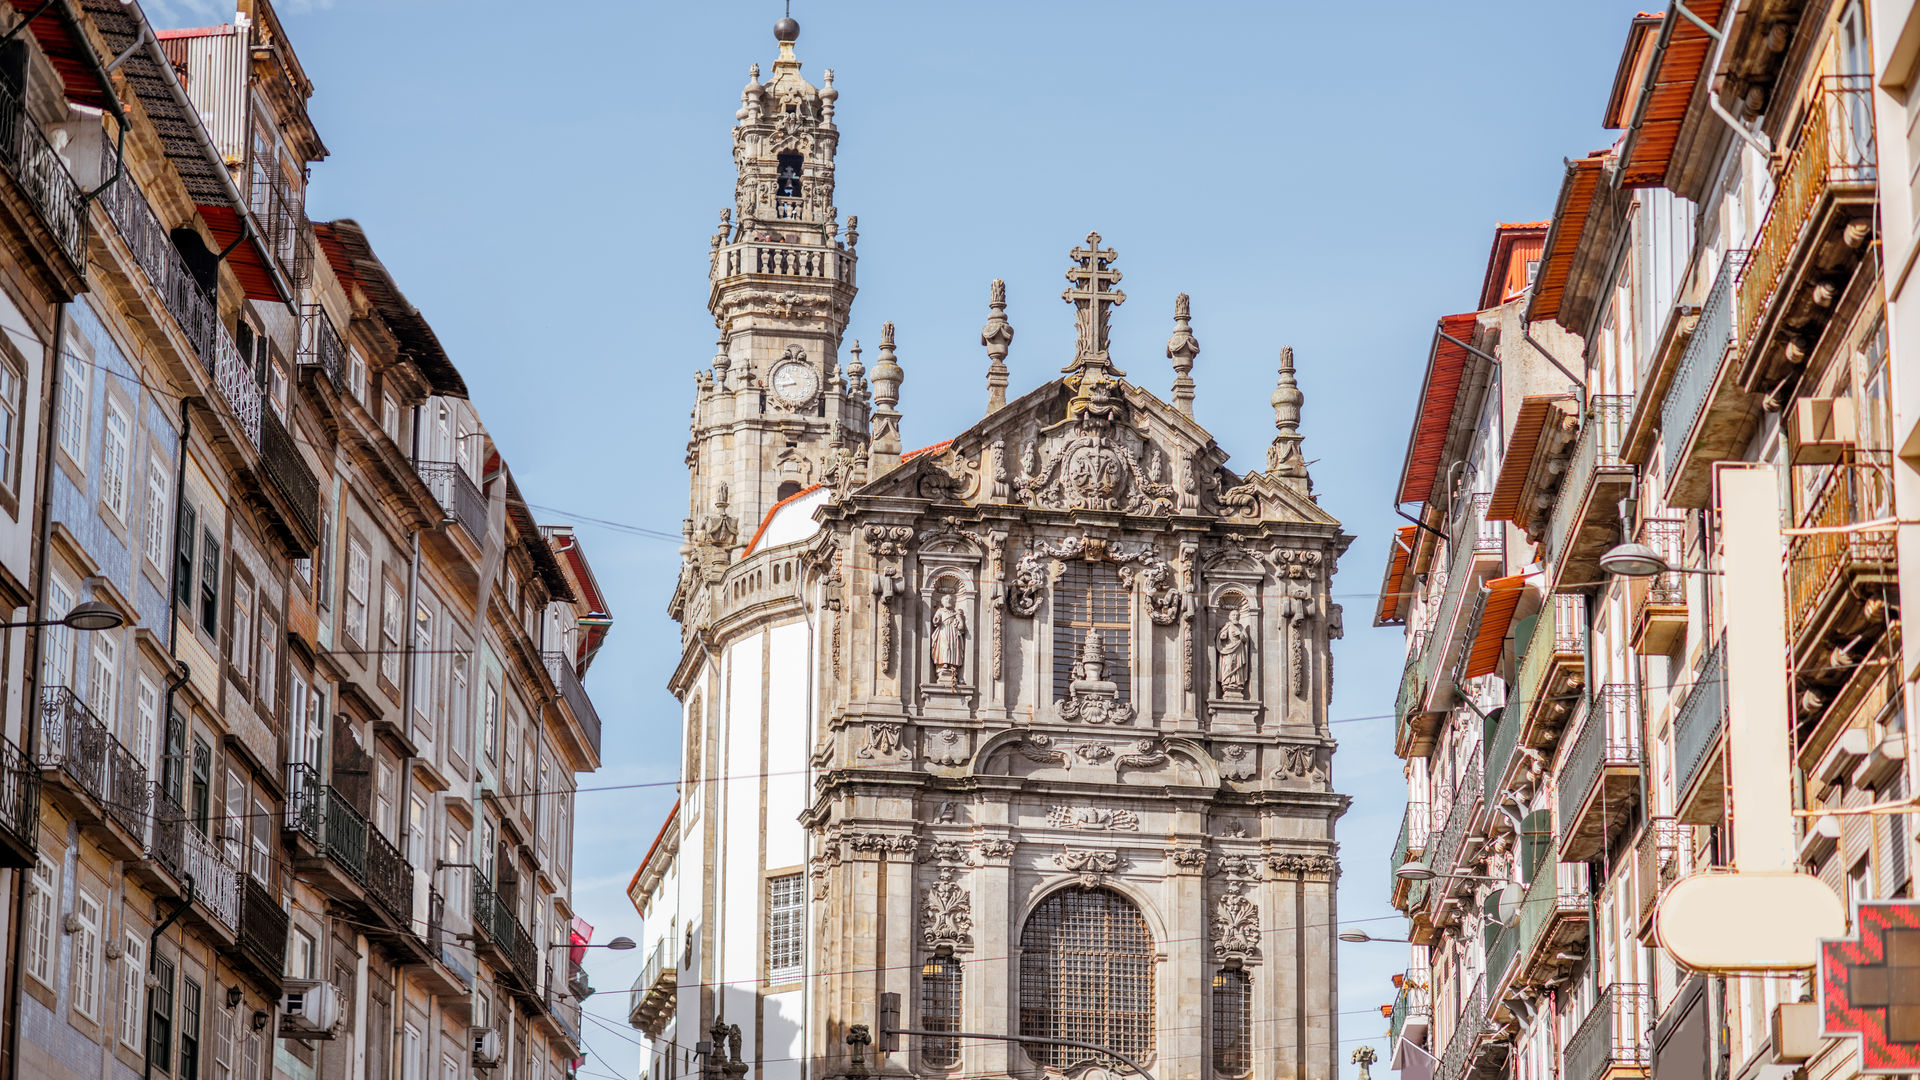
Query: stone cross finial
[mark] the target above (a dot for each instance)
(1093, 299)
(1182, 347)
(997, 335)
(1283, 457)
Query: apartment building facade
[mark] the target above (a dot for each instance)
(1721, 273)
(294, 726)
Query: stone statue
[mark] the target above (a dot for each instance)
(1296, 595)
(1234, 662)
(948, 641)
(1365, 1057)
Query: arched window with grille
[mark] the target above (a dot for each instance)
(1232, 1022)
(1086, 973)
(1089, 597)
(940, 1010)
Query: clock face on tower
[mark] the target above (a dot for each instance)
(794, 382)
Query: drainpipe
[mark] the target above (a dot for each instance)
(153, 957)
(1713, 66)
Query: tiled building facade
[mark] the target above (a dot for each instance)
(291, 795)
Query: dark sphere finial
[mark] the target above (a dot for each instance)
(786, 30)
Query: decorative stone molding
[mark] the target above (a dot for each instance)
(1146, 754)
(1320, 866)
(884, 842)
(1038, 747)
(993, 848)
(1299, 761)
(1093, 753)
(1092, 866)
(883, 740)
(1236, 927)
(1240, 866)
(1091, 698)
(946, 913)
(947, 747)
(945, 851)
(1236, 763)
(888, 543)
(1188, 858)
(1093, 819)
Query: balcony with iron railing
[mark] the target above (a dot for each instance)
(1815, 232)
(567, 680)
(1612, 1040)
(1505, 764)
(282, 218)
(180, 293)
(166, 834)
(288, 470)
(19, 806)
(1586, 514)
(650, 1003)
(339, 836)
(1599, 782)
(1407, 895)
(1444, 849)
(1706, 416)
(457, 494)
(42, 181)
(321, 347)
(1660, 601)
(512, 948)
(216, 880)
(1837, 578)
(563, 1011)
(1412, 1010)
(263, 930)
(1550, 920)
(1697, 727)
(1553, 670)
(1470, 1027)
(1658, 864)
(93, 775)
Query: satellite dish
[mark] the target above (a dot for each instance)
(1501, 904)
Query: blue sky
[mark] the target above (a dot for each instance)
(542, 180)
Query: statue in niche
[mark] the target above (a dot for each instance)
(948, 641)
(1296, 596)
(1234, 647)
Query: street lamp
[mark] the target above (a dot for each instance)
(87, 615)
(1361, 937)
(1639, 560)
(1416, 870)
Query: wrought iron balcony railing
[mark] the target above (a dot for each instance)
(652, 996)
(389, 879)
(1412, 1005)
(152, 246)
(263, 927)
(289, 472)
(1700, 362)
(1502, 743)
(320, 345)
(39, 171)
(1446, 847)
(1613, 1036)
(166, 839)
(1702, 716)
(282, 219)
(1818, 563)
(234, 376)
(560, 670)
(1609, 742)
(1468, 1028)
(91, 761)
(1835, 149)
(1554, 668)
(457, 494)
(498, 927)
(19, 800)
(1658, 858)
(216, 881)
(1597, 454)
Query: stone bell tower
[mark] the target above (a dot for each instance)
(777, 402)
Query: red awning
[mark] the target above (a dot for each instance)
(250, 261)
(70, 54)
(1569, 222)
(1387, 610)
(1483, 651)
(1681, 53)
(1434, 415)
(1528, 424)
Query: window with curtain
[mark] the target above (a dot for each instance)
(1232, 1022)
(1086, 973)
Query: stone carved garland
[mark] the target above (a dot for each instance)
(1299, 761)
(891, 842)
(1190, 858)
(1304, 865)
(1236, 927)
(994, 849)
(883, 740)
(947, 915)
(1093, 819)
(888, 543)
(1165, 601)
(1092, 866)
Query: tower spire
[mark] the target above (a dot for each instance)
(1283, 457)
(883, 447)
(1182, 347)
(997, 336)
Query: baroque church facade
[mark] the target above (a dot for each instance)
(1024, 733)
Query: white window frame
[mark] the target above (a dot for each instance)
(240, 634)
(103, 678)
(133, 989)
(359, 581)
(43, 906)
(56, 666)
(87, 919)
(390, 640)
(116, 459)
(267, 664)
(71, 410)
(11, 406)
(158, 523)
(146, 722)
(786, 927)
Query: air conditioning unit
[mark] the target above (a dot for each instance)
(1820, 430)
(486, 1046)
(309, 1009)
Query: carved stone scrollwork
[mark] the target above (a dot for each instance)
(1297, 570)
(1235, 763)
(1146, 754)
(1090, 696)
(947, 915)
(1029, 584)
(890, 842)
(945, 851)
(1188, 858)
(1093, 467)
(1093, 753)
(1236, 927)
(1244, 867)
(947, 748)
(884, 740)
(1092, 866)
(1093, 819)
(1299, 761)
(993, 848)
(1038, 747)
